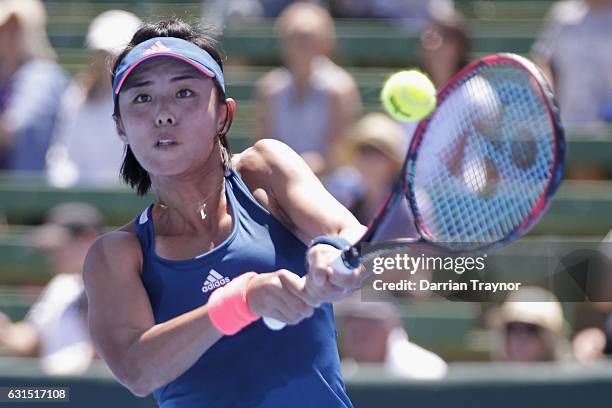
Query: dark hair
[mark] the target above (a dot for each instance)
(132, 172)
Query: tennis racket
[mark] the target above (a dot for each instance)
(480, 170)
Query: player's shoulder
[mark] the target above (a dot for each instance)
(265, 157)
(114, 251)
(268, 166)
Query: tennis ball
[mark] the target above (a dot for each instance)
(408, 96)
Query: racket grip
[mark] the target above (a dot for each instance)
(339, 265)
(274, 324)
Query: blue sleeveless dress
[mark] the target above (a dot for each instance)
(295, 367)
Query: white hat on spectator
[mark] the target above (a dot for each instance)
(534, 305)
(32, 18)
(65, 221)
(32, 11)
(112, 30)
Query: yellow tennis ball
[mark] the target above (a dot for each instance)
(408, 96)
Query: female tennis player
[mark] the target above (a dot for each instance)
(175, 297)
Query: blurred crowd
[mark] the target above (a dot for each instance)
(55, 327)
(62, 127)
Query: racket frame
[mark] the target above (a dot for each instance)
(556, 171)
(352, 256)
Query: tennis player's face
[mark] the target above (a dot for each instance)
(170, 117)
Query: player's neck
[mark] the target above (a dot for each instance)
(195, 203)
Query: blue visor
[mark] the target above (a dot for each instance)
(167, 47)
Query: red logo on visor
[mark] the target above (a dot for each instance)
(155, 48)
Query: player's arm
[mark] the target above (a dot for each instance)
(284, 184)
(142, 355)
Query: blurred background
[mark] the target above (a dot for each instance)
(307, 73)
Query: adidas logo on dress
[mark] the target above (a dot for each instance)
(213, 281)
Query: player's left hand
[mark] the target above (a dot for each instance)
(323, 284)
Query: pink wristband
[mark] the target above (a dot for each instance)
(227, 306)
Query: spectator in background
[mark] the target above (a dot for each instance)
(445, 48)
(371, 157)
(31, 84)
(220, 13)
(55, 328)
(86, 148)
(532, 327)
(414, 13)
(310, 102)
(574, 50)
(592, 344)
(594, 341)
(372, 153)
(372, 333)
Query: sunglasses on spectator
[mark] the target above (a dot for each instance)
(521, 327)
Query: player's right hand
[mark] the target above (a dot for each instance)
(278, 295)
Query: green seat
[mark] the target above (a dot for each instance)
(15, 302)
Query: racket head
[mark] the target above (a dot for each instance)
(482, 168)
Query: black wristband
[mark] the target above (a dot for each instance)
(337, 242)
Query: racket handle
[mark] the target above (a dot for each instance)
(339, 265)
(274, 324)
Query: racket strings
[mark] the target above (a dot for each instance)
(492, 147)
